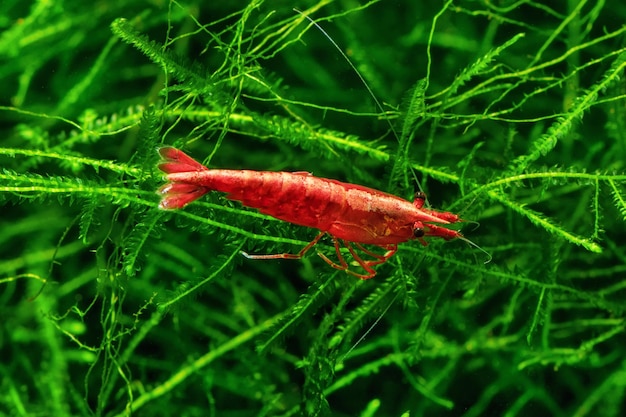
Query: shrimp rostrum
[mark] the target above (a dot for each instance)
(352, 215)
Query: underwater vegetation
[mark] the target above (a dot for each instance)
(510, 114)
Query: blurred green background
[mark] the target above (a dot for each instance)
(509, 113)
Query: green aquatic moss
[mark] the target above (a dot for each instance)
(511, 115)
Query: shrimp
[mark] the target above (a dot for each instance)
(352, 215)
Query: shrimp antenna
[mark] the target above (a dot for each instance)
(356, 71)
(469, 242)
(369, 329)
(473, 222)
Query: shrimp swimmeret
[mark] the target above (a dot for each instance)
(351, 214)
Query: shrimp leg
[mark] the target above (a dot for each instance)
(342, 265)
(391, 250)
(298, 255)
(366, 265)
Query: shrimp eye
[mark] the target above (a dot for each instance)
(418, 232)
(419, 195)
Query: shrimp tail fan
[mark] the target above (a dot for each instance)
(178, 193)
